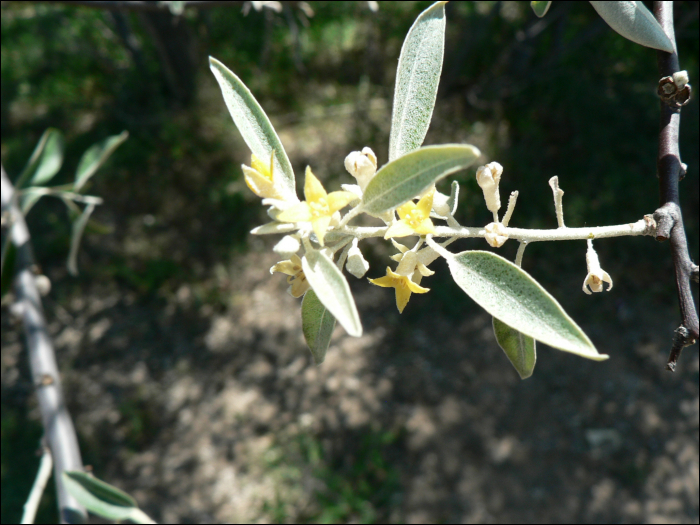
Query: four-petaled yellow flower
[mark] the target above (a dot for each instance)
(260, 178)
(415, 218)
(404, 286)
(297, 279)
(319, 206)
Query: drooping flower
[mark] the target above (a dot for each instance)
(319, 206)
(362, 165)
(260, 178)
(596, 275)
(403, 284)
(297, 280)
(489, 177)
(496, 234)
(414, 218)
(356, 263)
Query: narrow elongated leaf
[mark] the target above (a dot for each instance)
(95, 156)
(317, 323)
(406, 177)
(540, 9)
(511, 295)
(417, 79)
(519, 348)
(103, 499)
(332, 290)
(635, 22)
(45, 161)
(77, 233)
(255, 127)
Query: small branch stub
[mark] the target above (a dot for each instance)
(558, 198)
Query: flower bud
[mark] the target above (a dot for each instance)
(596, 275)
(496, 234)
(441, 205)
(488, 177)
(356, 264)
(288, 246)
(362, 165)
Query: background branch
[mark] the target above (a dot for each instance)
(669, 217)
(58, 426)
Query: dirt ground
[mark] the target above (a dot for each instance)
(219, 415)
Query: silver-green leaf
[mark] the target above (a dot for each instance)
(95, 156)
(540, 9)
(79, 224)
(317, 323)
(45, 161)
(635, 22)
(417, 79)
(518, 347)
(332, 290)
(510, 294)
(255, 127)
(406, 177)
(103, 499)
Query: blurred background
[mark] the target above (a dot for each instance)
(183, 360)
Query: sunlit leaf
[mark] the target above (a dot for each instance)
(45, 161)
(417, 79)
(317, 323)
(332, 290)
(103, 499)
(509, 293)
(518, 347)
(95, 156)
(255, 127)
(540, 9)
(406, 177)
(635, 22)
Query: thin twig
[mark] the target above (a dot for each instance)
(519, 255)
(558, 198)
(58, 426)
(668, 216)
(511, 207)
(42, 476)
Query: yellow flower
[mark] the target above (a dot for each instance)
(260, 178)
(404, 286)
(297, 279)
(415, 218)
(319, 206)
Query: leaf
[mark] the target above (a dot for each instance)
(45, 161)
(317, 323)
(635, 22)
(255, 127)
(453, 199)
(76, 234)
(511, 295)
(417, 79)
(29, 197)
(406, 177)
(332, 290)
(102, 499)
(273, 227)
(519, 348)
(540, 9)
(95, 156)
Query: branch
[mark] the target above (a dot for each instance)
(58, 427)
(670, 170)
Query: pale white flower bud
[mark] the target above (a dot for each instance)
(43, 284)
(488, 177)
(440, 204)
(288, 246)
(407, 265)
(496, 234)
(596, 275)
(362, 165)
(356, 264)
